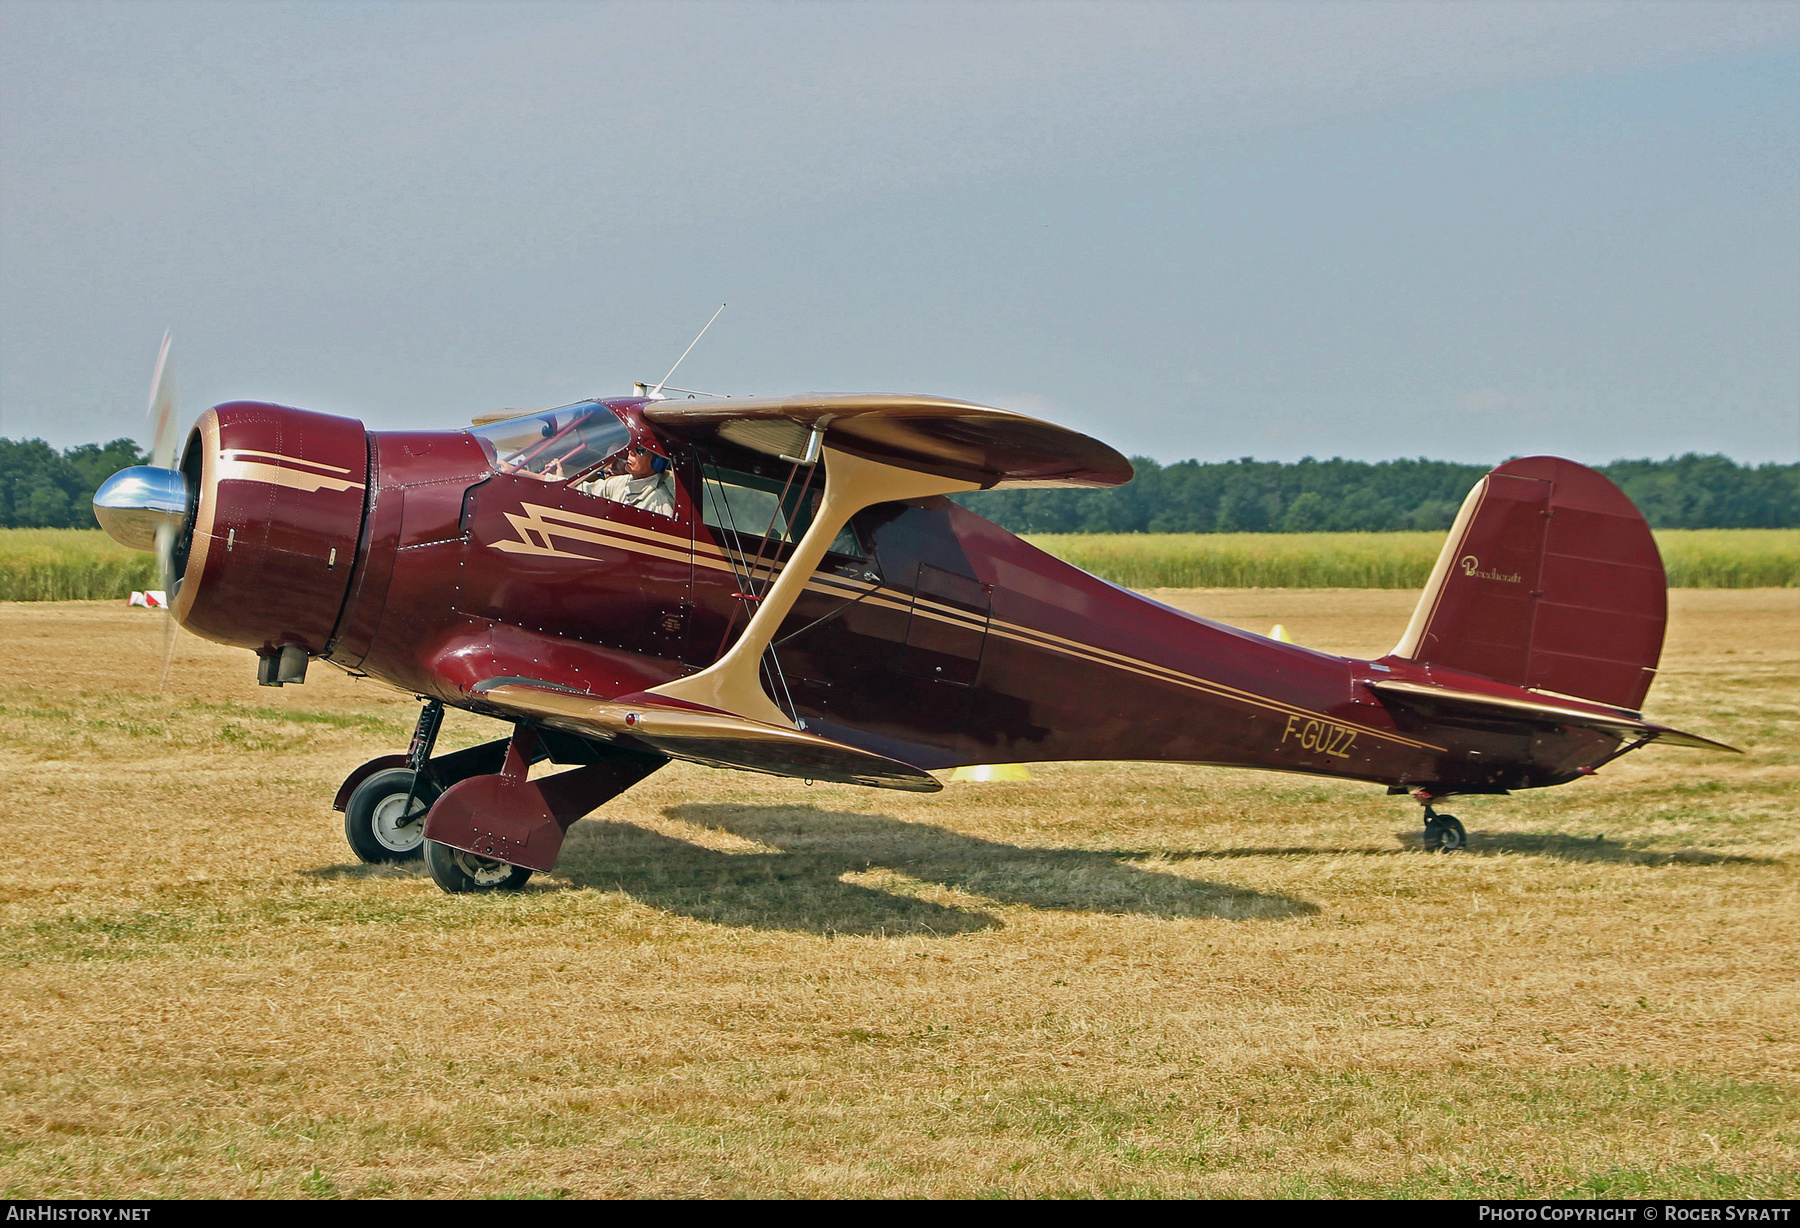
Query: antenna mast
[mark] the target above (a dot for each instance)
(657, 391)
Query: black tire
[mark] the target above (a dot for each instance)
(1445, 834)
(458, 872)
(376, 819)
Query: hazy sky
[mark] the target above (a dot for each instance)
(1457, 230)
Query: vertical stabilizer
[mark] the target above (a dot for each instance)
(1549, 579)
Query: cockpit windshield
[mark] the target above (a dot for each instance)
(554, 444)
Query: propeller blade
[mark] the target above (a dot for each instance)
(168, 623)
(162, 410)
(165, 569)
(163, 425)
(165, 556)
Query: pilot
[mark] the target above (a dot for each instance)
(646, 482)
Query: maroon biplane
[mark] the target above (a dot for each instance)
(803, 599)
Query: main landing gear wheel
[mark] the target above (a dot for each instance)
(456, 871)
(378, 822)
(1444, 834)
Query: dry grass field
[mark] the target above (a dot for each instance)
(1110, 980)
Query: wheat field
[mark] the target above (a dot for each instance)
(1109, 980)
(69, 565)
(81, 564)
(1693, 558)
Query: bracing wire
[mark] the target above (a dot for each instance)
(874, 587)
(746, 580)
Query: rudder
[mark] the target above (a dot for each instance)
(1549, 579)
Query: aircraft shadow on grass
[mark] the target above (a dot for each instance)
(1560, 846)
(1564, 846)
(802, 885)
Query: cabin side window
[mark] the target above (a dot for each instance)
(750, 513)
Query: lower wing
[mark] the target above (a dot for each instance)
(703, 735)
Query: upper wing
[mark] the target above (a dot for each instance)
(711, 737)
(975, 443)
(1433, 701)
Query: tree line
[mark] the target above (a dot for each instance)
(1252, 496)
(43, 488)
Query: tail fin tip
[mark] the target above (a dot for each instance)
(1549, 579)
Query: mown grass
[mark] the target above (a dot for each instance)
(85, 564)
(1111, 979)
(1694, 558)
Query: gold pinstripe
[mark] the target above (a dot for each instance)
(281, 475)
(281, 458)
(579, 527)
(1035, 638)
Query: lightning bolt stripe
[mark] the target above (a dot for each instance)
(539, 528)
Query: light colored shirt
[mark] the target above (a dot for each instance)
(652, 493)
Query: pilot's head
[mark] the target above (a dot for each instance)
(641, 462)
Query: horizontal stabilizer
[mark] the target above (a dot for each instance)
(1442, 702)
(705, 736)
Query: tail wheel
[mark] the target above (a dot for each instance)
(1445, 834)
(458, 872)
(379, 821)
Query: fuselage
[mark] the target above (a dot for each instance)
(456, 563)
(929, 634)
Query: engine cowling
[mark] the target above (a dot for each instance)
(267, 553)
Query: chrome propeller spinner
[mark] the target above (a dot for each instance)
(136, 505)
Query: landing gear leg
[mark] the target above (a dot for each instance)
(424, 739)
(489, 832)
(1443, 832)
(384, 817)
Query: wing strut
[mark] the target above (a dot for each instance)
(744, 569)
(733, 683)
